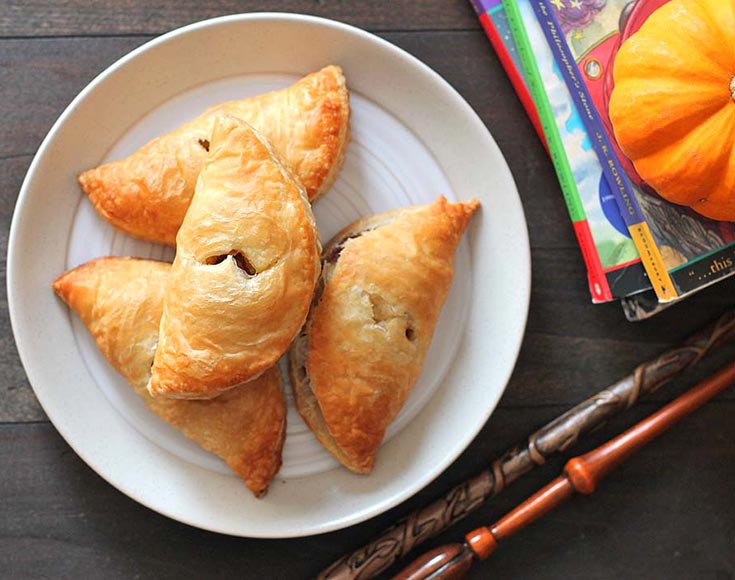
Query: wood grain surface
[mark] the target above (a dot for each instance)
(669, 513)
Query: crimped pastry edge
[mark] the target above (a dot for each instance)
(306, 402)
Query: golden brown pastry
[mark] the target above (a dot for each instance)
(247, 261)
(120, 300)
(147, 194)
(384, 281)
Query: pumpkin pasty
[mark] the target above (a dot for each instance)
(147, 194)
(120, 301)
(247, 261)
(384, 281)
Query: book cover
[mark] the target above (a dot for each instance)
(681, 250)
(613, 265)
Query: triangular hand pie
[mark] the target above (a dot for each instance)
(147, 194)
(384, 281)
(247, 261)
(120, 301)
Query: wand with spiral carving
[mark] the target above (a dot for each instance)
(581, 475)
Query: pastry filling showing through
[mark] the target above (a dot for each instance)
(336, 250)
(240, 259)
(380, 314)
(329, 261)
(301, 344)
(204, 143)
(306, 401)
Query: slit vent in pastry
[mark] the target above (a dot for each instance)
(247, 261)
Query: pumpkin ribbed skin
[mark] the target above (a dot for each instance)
(673, 105)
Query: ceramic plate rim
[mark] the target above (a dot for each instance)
(24, 339)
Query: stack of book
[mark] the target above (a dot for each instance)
(638, 248)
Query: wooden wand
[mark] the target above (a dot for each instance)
(581, 475)
(556, 436)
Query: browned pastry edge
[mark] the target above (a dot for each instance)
(308, 406)
(197, 420)
(306, 403)
(339, 115)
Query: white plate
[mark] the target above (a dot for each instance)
(413, 139)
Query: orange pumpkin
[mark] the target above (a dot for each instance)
(673, 105)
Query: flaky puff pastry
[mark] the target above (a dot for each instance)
(120, 301)
(247, 261)
(147, 194)
(384, 281)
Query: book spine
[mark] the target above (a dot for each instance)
(629, 209)
(519, 85)
(598, 284)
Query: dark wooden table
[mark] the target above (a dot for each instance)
(669, 513)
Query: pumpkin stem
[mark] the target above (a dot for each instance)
(732, 88)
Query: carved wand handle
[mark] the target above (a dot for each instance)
(557, 436)
(581, 475)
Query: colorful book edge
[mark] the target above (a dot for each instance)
(605, 284)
